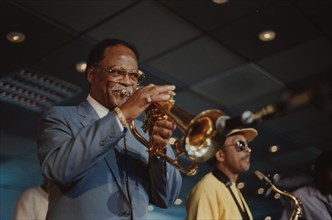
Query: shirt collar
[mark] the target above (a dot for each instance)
(101, 110)
(222, 177)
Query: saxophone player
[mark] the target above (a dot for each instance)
(216, 195)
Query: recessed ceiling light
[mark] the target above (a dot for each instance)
(220, 1)
(277, 196)
(15, 37)
(276, 177)
(80, 67)
(274, 148)
(260, 191)
(267, 35)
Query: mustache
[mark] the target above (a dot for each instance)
(246, 156)
(123, 90)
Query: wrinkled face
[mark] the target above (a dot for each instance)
(108, 90)
(235, 160)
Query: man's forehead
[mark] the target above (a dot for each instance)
(119, 49)
(122, 57)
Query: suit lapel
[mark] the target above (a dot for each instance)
(87, 116)
(112, 163)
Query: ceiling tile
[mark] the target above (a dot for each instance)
(150, 27)
(308, 155)
(319, 12)
(40, 37)
(261, 101)
(238, 85)
(186, 98)
(77, 14)
(302, 118)
(207, 15)
(267, 137)
(290, 26)
(316, 136)
(301, 61)
(156, 77)
(69, 55)
(201, 59)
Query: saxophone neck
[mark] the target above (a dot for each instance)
(297, 211)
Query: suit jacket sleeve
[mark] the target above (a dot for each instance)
(165, 181)
(69, 147)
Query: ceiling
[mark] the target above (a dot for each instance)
(211, 52)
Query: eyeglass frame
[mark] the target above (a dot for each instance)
(238, 147)
(140, 74)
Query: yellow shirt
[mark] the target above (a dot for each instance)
(211, 199)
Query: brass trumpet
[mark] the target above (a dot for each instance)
(200, 140)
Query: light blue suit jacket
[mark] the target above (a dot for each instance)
(97, 171)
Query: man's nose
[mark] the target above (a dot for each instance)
(126, 78)
(248, 148)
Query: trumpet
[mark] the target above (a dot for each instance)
(297, 211)
(199, 143)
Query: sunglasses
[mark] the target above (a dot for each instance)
(241, 145)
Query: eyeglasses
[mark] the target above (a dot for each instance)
(117, 72)
(241, 145)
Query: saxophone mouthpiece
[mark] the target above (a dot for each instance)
(261, 176)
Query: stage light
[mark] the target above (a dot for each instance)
(260, 191)
(80, 67)
(220, 1)
(267, 35)
(15, 37)
(277, 196)
(274, 149)
(35, 91)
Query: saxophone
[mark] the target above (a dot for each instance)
(297, 211)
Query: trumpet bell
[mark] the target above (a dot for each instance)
(201, 138)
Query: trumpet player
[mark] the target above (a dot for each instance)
(95, 168)
(216, 195)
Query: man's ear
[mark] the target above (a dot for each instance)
(220, 156)
(89, 74)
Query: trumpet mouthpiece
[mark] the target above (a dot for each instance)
(125, 93)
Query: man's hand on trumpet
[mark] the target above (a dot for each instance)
(161, 132)
(136, 104)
